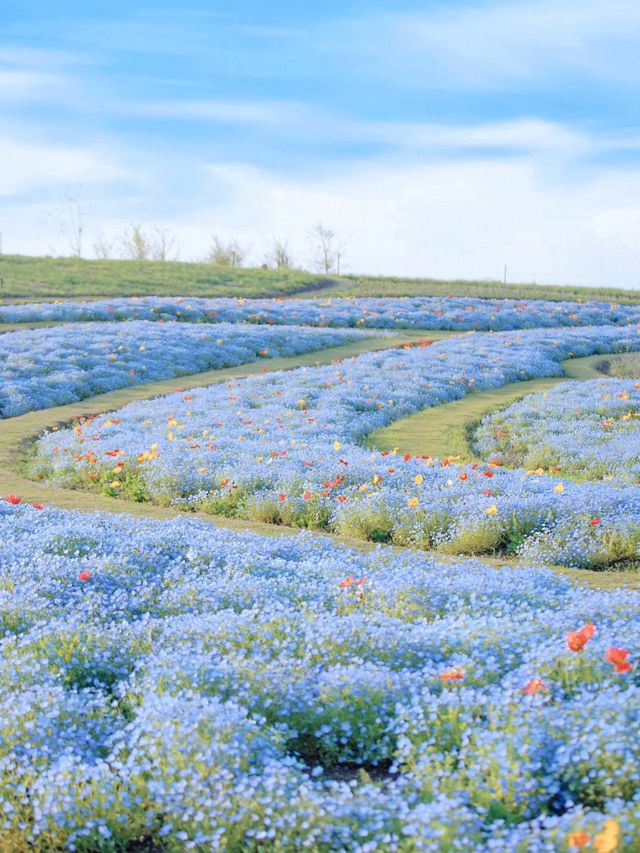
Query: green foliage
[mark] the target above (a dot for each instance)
(624, 366)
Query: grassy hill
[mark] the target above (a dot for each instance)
(52, 278)
(391, 286)
(23, 277)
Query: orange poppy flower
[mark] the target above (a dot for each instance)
(595, 522)
(455, 674)
(618, 657)
(533, 686)
(84, 575)
(347, 582)
(36, 505)
(13, 499)
(464, 476)
(578, 840)
(577, 640)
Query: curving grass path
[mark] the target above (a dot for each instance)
(445, 430)
(18, 432)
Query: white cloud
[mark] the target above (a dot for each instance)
(27, 167)
(17, 85)
(506, 43)
(456, 219)
(446, 217)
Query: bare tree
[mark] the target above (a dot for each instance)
(140, 244)
(75, 226)
(163, 245)
(103, 246)
(327, 250)
(279, 255)
(229, 254)
(135, 243)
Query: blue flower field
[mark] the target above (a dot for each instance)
(398, 653)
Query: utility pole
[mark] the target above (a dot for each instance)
(505, 273)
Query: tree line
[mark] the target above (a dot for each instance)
(140, 242)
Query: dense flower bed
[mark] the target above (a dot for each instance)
(456, 313)
(40, 368)
(582, 429)
(284, 448)
(171, 686)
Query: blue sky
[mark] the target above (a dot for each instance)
(437, 138)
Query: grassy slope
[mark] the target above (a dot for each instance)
(390, 286)
(50, 278)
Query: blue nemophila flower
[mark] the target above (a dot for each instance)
(288, 448)
(587, 430)
(40, 368)
(210, 690)
(431, 312)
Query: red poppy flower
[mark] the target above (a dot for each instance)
(577, 640)
(534, 685)
(36, 505)
(13, 499)
(455, 674)
(84, 575)
(618, 657)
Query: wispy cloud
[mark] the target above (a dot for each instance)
(509, 43)
(27, 167)
(28, 85)
(219, 111)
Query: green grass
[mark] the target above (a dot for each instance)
(442, 431)
(392, 286)
(51, 278)
(41, 278)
